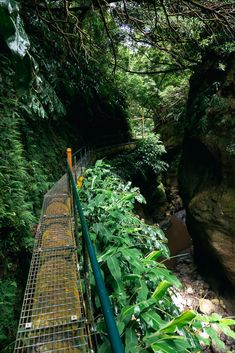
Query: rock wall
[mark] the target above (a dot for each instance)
(207, 168)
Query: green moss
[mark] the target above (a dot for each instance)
(160, 193)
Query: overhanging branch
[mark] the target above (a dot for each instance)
(157, 72)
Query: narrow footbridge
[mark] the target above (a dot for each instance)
(57, 313)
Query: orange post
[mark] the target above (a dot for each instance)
(69, 158)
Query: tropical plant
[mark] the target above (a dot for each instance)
(129, 253)
(146, 157)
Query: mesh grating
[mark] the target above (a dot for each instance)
(55, 232)
(62, 338)
(53, 316)
(56, 205)
(53, 293)
(60, 187)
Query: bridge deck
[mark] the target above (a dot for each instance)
(53, 317)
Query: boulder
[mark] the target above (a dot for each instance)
(214, 210)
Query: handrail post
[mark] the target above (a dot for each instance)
(70, 163)
(69, 158)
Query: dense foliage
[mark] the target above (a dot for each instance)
(146, 158)
(138, 285)
(72, 72)
(41, 91)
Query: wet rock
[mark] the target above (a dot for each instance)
(189, 290)
(218, 226)
(190, 302)
(216, 301)
(206, 306)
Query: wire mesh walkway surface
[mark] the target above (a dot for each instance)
(53, 317)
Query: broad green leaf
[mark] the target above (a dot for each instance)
(213, 334)
(131, 340)
(227, 330)
(99, 163)
(165, 274)
(132, 277)
(135, 310)
(120, 326)
(154, 255)
(102, 230)
(174, 344)
(127, 313)
(227, 321)
(105, 347)
(179, 322)
(142, 291)
(161, 290)
(152, 319)
(11, 28)
(130, 254)
(114, 268)
(133, 257)
(107, 254)
(140, 198)
(204, 340)
(216, 318)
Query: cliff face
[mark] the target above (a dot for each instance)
(207, 167)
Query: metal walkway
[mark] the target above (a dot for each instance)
(54, 317)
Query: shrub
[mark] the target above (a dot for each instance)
(138, 286)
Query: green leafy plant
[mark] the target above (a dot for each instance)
(12, 29)
(147, 157)
(8, 298)
(138, 285)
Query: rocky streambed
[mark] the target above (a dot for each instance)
(197, 294)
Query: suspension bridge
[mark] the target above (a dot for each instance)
(57, 312)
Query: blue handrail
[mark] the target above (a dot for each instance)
(113, 334)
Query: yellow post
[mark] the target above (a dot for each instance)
(80, 181)
(69, 158)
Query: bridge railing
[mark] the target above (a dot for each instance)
(113, 334)
(86, 155)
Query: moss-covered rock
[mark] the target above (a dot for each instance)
(161, 193)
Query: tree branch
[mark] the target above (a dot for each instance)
(166, 71)
(109, 36)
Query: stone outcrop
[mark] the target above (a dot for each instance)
(207, 168)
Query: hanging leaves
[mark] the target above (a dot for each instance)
(11, 28)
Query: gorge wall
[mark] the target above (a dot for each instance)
(207, 168)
